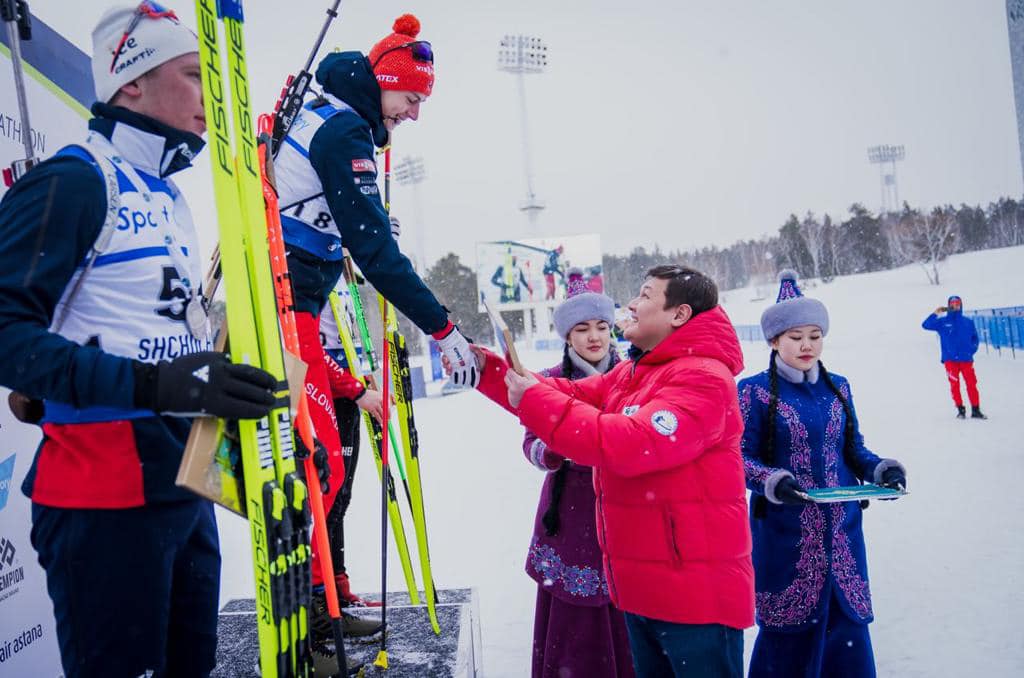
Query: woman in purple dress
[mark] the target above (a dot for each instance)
(577, 633)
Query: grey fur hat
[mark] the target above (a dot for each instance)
(792, 309)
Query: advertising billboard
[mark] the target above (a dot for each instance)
(532, 272)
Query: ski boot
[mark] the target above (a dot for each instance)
(325, 663)
(976, 413)
(351, 625)
(349, 599)
(961, 412)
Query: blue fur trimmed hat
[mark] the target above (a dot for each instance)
(792, 309)
(581, 305)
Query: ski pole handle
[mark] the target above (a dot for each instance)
(18, 21)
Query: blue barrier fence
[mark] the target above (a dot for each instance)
(1000, 328)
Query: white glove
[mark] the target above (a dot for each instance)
(465, 372)
(396, 227)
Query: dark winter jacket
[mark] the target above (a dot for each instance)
(363, 223)
(803, 553)
(958, 337)
(568, 563)
(552, 265)
(57, 210)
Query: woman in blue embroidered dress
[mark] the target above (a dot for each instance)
(577, 632)
(801, 432)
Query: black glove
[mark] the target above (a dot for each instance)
(204, 383)
(894, 478)
(320, 462)
(788, 491)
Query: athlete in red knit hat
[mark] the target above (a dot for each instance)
(404, 67)
(327, 180)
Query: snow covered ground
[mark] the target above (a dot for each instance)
(946, 562)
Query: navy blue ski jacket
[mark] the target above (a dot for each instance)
(958, 337)
(49, 220)
(338, 141)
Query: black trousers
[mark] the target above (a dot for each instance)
(349, 419)
(133, 590)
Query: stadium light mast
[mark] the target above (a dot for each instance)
(880, 155)
(520, 55)
(409, 171)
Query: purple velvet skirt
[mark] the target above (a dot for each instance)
(579, 641)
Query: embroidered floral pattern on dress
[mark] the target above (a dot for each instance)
(844, 566)
(578, 581)
(795, 603)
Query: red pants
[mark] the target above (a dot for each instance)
(549, 283)
(321, 412)
(954, 370)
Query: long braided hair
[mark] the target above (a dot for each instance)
(550, 519)
(761, 501)
(849, 425)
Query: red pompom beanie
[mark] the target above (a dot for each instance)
(398, 70)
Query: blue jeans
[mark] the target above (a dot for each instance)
(662, 649)
(133, 589)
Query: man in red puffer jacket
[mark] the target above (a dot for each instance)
(662, 432)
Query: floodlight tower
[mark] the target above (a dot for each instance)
(880, 155)
(519, 55)
(409, 171)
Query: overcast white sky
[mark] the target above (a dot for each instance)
(683, 123)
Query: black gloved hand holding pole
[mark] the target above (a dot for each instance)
(204, 383)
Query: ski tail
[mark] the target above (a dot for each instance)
(401, 379)
(375, 433)
(398, 356)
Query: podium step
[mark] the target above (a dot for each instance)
(414, 651)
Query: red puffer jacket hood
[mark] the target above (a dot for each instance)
(663, 435)
(707, 335)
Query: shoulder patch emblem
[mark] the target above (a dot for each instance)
(664, 422)
(630, 410)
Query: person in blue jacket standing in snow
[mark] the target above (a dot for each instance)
(958, 340)
(101, 320)
(326, 174)
(801, 432)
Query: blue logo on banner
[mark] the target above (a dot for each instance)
(6, 475)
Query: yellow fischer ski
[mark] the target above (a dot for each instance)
(275, 497)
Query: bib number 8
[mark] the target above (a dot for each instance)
(323, 220)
